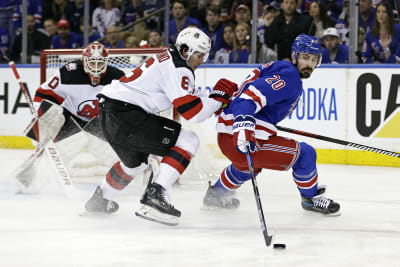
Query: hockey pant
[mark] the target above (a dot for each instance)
(134, 134)
(276, 153)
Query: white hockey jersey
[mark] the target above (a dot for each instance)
(71, 88)
(162, 82)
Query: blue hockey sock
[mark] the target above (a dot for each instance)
(231, 179)
(305, 172)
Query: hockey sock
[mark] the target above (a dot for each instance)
(305, 172)
(118, 177)
(231, 179)
(172, 166)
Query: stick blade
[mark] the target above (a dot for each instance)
(268, 238)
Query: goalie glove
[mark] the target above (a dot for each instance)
(244, 133)
(223, 91)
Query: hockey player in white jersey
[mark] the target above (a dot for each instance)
(128, 109)
(74, 87)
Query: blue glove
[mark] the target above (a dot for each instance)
(244, 133)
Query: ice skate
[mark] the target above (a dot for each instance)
(156, 206)
(215, 199)
(98, 204)
(321, 204)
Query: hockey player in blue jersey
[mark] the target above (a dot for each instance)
(268, 95)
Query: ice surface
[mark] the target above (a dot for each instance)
(46, 230)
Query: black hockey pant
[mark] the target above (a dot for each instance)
(134, 134)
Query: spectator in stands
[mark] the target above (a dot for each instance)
(134, 10)
(242, 14)
(333, 7)
(367, 14)
(106, 15)
(141, 31)
(334, 52)
(50, 26)
(361, 39)
(37, 41)
(155, 38)
(342, 24)
(131, 42)
(214, 29)
(4, 43)
(55, 9)
(286, 27)
(382, 41)
(197, 9)
(321, 20)
(93, 35)
(241, 44)
(222, 55)
(181, 20)
(264, 53)
(113, 38)
(75, 12)
(248, 3)
(270, 12)
(34, 8)
(65, 38)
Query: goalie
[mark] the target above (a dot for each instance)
(73, 107)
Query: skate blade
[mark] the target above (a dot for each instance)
(216, 209)
(336, 214)
(86, 213)
(151, 214)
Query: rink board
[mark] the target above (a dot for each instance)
(357, 103)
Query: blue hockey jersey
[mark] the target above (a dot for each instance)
(269, 94)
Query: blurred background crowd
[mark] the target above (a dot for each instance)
(228, 23)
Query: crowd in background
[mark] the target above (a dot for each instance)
(59, 24)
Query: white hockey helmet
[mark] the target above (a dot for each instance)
(195, 40)
(95, 59)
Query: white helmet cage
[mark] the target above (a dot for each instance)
(95, 59)
(195, 40)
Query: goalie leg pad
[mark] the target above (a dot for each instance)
(70, 147)
(48, 123)
(101, 150)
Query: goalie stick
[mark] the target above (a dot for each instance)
(340, 142)
(55, 159)
(267, 237)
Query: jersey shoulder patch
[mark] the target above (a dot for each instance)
(73, 73)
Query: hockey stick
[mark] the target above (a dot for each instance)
(340, 142)
(55, 159)
(267, 237)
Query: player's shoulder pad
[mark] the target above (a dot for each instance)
(178, 61)
(112, 74)
(73, 73)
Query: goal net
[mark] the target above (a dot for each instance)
(125, 59)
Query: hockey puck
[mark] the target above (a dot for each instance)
(279, 246)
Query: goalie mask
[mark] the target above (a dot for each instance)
(95, 59)
(195, 40)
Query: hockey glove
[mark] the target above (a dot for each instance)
(244, 133)
(223, 91)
